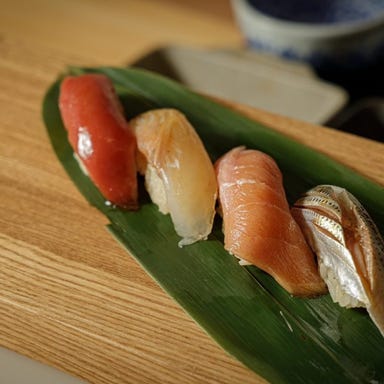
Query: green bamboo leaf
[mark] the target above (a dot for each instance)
(282, 338)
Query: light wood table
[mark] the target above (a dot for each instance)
(69, 295)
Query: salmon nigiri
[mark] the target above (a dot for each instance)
(258, 226)
(179, 174)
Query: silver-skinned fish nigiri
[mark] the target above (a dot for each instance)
(349, 248)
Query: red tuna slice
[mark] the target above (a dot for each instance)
(100, 136)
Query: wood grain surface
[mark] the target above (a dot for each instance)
(70, 296)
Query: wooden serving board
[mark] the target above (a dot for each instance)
(70, 296)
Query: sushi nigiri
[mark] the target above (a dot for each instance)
(179, 174)
(257, 224)
(349, 248)
(104, 143)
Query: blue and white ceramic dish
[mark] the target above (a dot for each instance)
(340, 34)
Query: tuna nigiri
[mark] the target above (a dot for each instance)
(104, 143)
(179, 174)
(258, 227)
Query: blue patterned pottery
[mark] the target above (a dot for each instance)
(335, 34)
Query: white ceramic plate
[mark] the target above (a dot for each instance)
(249, 77)
(18, 369)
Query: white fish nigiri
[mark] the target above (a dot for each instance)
(349, 248)
(179, 175)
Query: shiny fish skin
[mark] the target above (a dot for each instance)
(348, 245)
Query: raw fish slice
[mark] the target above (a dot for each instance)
(103, 142)
(257, 224)
(179, 174)
(349, 248)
